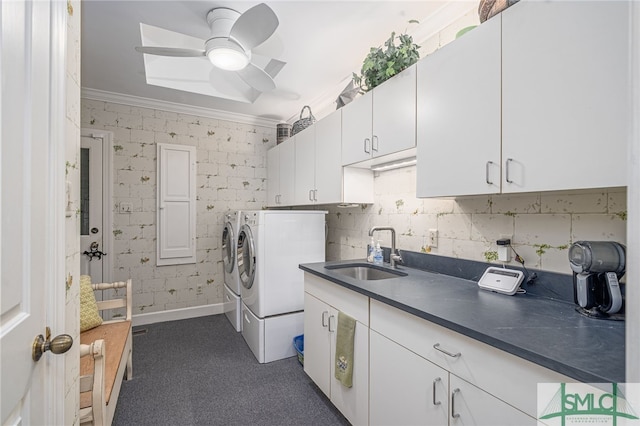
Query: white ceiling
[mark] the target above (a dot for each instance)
(322, 42)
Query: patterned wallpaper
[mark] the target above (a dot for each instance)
(542, 225)
(231, 175)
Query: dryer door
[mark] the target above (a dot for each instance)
(246, 257)
(228, 249)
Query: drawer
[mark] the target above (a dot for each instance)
(353, 304)
(505, 376)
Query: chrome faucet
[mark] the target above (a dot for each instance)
(393, 257)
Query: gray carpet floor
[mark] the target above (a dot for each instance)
(200, 371)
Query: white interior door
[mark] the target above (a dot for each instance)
(91, 220)
(31, 208)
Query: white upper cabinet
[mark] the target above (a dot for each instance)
(305, 166)
(509, 108)
(565, 89)
(394, 114)
(281, 174)
(382, 121)
(307, 169)
(329, 179)
(458, 110)
(356, 129)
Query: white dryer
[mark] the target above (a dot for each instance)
(232, 301)
(271, 245)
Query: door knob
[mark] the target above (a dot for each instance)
(59, 345)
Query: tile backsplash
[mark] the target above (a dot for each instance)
(542, 225)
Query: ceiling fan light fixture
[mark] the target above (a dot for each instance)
(226, 55)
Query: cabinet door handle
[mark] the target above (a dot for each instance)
(325, 316)
(451, 354)
(437, 379)
(310, 196)
(453, 403)
(506, 166)
(315, 195)
(332, 317)
(366, 145)
(486, 172)
(374, 143)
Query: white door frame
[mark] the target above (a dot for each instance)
(633, 207)
(55, 291)
(107, 199)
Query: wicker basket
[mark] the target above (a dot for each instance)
(489, 8)
(303, 123)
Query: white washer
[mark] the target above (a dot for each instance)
(232, 302)
(271, 245)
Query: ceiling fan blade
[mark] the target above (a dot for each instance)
(170, 51)
(273, 67)
(254, 26)
(256, 78)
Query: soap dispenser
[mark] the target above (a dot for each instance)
(377, 257)
(371, 250)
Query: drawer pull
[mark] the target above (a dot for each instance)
(434, 391)
(453, 403)
(325, 316)
(452, 355)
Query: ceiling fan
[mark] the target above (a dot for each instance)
(233, 36)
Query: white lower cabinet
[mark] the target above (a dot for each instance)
(407, 389)
(484, 385)
(322, 302)
(470, 405)
(410, 371)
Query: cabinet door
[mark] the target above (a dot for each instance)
(352, 402)
(287, 172)
(405, 389)
(565, 95)
(273, 175)
(472, 406)
(394, 114)
(356, 130)
(304, 182)
(328, 166)
(458, 107)
(317, 342)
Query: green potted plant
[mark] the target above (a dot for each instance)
(384, 62)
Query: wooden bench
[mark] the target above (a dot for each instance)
(116, 356)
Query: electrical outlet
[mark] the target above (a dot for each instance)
(126, 207)
(433, 238)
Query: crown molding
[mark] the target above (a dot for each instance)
(120, 98)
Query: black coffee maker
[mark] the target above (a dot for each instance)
(597, 268)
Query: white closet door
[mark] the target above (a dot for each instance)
(176, 204)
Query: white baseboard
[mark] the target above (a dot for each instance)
(177, 314)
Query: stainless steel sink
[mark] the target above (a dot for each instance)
(365, 272)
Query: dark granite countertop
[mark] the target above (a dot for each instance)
(541, 330)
